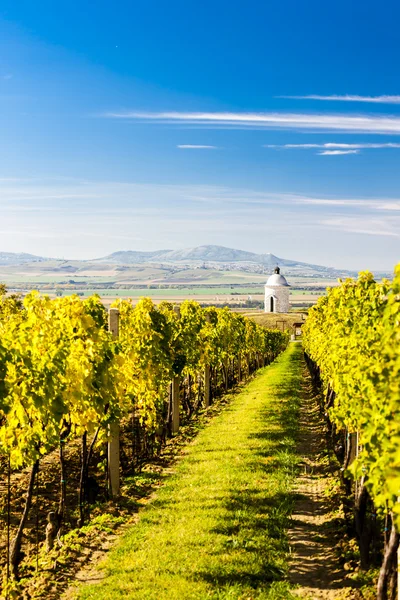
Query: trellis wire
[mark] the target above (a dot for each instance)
(37, 520)
(8, 521)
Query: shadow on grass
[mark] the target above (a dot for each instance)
(258, 517)
(220, 523)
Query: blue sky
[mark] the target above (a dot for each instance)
(267, 126)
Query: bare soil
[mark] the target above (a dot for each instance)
(315, 565)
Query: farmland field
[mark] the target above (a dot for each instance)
(176, 284)
(217, 295)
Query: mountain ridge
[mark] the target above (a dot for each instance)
(206, 253)
(209, 253)
(198, 255)
(19, 258)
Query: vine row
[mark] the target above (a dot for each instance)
(65, 376)
(352, 343)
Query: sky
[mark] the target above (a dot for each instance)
(258, 125)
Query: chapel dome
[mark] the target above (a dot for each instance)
(277, 279)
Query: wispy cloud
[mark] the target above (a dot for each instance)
(195, 147)
(387, 228)
(347, 98)
(388, 124)
(119, 198)
(337, 152)
(88, 218)
(6, 76)
(332, 148)
(365, 204)
(334, 145)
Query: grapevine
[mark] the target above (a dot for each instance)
(353, 338)
(63, 376)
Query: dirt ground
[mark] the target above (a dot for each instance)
(315, 568)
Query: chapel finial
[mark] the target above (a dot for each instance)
(277, 270)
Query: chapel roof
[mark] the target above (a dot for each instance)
(277, 279)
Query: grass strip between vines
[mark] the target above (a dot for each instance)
(217, 529)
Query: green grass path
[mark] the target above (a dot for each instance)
(217, 528)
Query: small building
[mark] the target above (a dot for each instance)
(277, 292)
(297, 328)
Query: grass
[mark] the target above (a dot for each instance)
(275, 319)
(148, 292)
(217, 529)
(235, 292)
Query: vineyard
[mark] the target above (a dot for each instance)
(352, 343)
(88, 396)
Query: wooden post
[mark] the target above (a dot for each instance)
(239, 369)
(175, 404)
(226, 373)
(207, 386)
(207, 379)
(175, 392)
(398, 566)
(113, 430)
(353, 438)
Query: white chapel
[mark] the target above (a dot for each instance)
(277, 292)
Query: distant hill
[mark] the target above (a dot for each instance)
(209, 257)
(130, 257)
(212, 254)
(15, 258)
(209, 254)
(198, 254)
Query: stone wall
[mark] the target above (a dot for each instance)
(281, 296)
